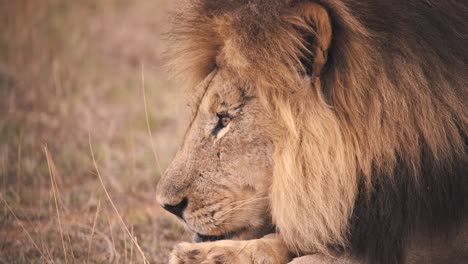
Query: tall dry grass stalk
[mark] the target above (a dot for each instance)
(145, 260)
(92, 232)
(18, 167)
(52, 173)
(150, 134)
(111, 233)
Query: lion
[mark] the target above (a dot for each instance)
(322, 131)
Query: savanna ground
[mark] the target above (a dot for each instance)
(72, 78)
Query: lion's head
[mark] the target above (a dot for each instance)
(218, 183)
(306, 122)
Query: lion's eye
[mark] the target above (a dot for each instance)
(223, 121)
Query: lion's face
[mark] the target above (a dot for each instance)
(218, 182)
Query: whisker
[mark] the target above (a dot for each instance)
(242, 205)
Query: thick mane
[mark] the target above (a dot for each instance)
(375, 146)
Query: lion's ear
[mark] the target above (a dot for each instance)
(314, 21)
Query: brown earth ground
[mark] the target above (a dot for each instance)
(72, 73)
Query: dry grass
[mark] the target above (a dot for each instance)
(69, 68)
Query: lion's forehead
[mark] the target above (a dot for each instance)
(225, 92)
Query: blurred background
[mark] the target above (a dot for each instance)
(72, 78)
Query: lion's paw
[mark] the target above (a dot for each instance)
(323, 259)
(223, 252)
(187, 253)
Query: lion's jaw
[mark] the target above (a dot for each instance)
(222, 171)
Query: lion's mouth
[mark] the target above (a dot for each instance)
(205, 238)
(198, 238)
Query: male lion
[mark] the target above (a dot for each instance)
(327, 131)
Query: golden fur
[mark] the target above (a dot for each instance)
(381, 108)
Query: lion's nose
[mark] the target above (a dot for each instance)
(177, 209)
